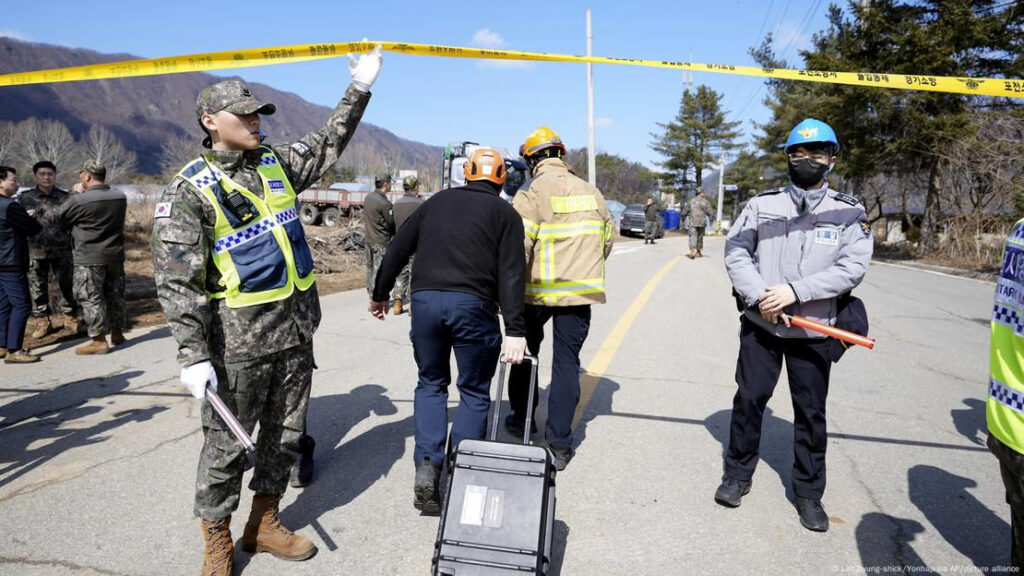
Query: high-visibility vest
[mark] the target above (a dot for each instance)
(1005, 406)
(265, 258)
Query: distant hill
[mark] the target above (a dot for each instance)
(145, 112)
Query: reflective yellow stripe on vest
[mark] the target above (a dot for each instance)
(572, 204)
(546, 234)
(264, 260)
(1005, 405)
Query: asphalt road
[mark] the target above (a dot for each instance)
(98, 454)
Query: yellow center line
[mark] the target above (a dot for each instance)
(606, 353)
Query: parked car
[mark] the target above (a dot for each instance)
(632, 222)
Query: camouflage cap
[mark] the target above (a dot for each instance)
(230, 95)
(95, 167)
(410, 182)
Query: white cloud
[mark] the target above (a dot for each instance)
(602, 122)
(485, 38)
(10, 33)
(789, 41)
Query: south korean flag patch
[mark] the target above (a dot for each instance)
(276, 187)
(163, 210)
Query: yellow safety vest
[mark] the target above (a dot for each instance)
(1005, 406)
(266, 257)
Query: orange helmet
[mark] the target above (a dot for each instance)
(541, 139)
(486, 164)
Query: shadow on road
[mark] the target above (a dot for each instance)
(884, 541)
(970, 422)
(962, 521)
(776, 443)
(346, 470)
(29, 444)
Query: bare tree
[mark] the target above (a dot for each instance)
(175, 152)
(36, 140)
(101, 144)
(6, 143)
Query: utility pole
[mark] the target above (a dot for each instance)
(721, 191)
(591, 152)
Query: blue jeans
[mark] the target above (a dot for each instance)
(570, 330)
(15, 307)
(443, 321)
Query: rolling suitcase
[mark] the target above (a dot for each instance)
(500, 505)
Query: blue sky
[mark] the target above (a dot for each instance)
(440, 100)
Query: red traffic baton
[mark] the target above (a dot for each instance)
(832, 331)
(233, 424)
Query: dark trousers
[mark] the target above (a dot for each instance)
(757, 373)
(15, 307)
(1011, 466)
(446, 321)
(569, 330)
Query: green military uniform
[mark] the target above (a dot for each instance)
(650, 222)
(378, 230)
(403, 209)
(699, 209)
(49, 251)
(96, 220)
(262, 352)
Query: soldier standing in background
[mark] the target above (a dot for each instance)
(650, 221)
(378, 228)
(699, 209)
(95, 217)
(235, 278)
(49, 251)
(403, 208)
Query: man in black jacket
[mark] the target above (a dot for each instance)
(15, 302)
(469, 259)
(96, 220)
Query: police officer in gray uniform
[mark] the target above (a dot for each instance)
(793, 251)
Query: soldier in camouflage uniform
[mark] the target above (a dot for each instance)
(378, 227)
(95, 217)
(403, 209)
(219, 211)
(699, 209)
(50, 250)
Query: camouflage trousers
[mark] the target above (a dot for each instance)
(401, 291)
(650, 229)
(100, 292)
(272, 390)
(697, 237)
(374, 256)
(39, 270)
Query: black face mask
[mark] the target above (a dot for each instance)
(806, 172)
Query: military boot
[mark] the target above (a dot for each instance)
(699, 254)
(3, 352)
(264, 532)
(398, 307)
(20, 357)
(42, 329)
(425, 489)
(116, 337)
(692, 254)
(302, 470)
(97, 345)
(219, 556)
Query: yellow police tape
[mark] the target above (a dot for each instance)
(1010, 88)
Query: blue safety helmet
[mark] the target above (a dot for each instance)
(811, 130)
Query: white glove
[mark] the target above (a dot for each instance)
(196, 376)
(364, 70)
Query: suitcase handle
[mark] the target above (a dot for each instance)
(501, 388)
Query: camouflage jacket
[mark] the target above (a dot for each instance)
(183, 263)
(378, 219)
(699, 209)
(53, 241)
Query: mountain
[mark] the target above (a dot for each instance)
(148, 111)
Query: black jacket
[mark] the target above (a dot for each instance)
(467, 240)
(96, 220)
(15, 226)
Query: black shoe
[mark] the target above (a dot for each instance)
(517, 427)
(562, 456)
(302, 470)
(731, 491)
(427, 500)
(812, 515)
(653, 242)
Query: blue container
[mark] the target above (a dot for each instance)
(672, 219)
